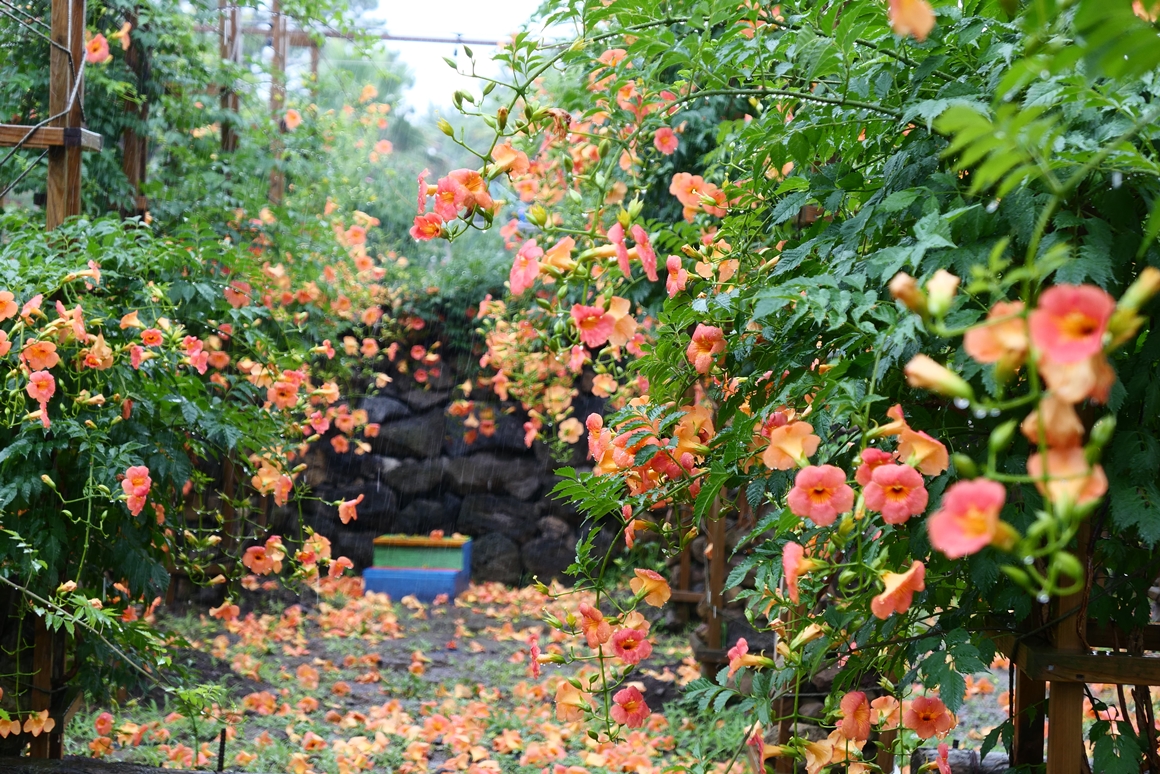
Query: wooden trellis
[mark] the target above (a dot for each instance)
(63, 139)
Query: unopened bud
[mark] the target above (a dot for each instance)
(1102, 431)
(48, 482)
(924, 373)
(940, 292)
(538, 215)
(964, 465)
(445, 127)
(905, 288)
(501, 117)
(1001, 436)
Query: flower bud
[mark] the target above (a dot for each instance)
(537, 215)
(501, 117)
(1001, 436)
(67, 587)
(1017, 575)
(924, 373)
(965, 466)
(445, 127)
(905, 288)
(48, 482)
(940, 292)
(1102, 431)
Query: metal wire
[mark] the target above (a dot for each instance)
(21, 176)
(38, 33)
(20, 10)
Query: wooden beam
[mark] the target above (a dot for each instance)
(1115, 637)
(1040, 661)
(65, 96)
(49, 137)
(1027, 708)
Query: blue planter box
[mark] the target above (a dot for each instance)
(424, 583)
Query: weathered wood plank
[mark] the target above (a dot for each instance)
(49, 137)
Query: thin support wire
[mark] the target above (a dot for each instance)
(22, 175)
(31, 18)
(29, 27)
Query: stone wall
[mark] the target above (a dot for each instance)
(422, 475)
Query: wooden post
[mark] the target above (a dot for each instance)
(41, 698)
(1027, 711)
(279, 40)
(1065, 748)
(64, 162)
(230, 48)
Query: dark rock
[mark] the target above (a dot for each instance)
(381, 409)
(421, 400)
(508, 436)
(495, 558)
(487, 472)
(994, 763)
(451, 504)
(524, 482)
(484, 514)
(552, 527)
(548, 557)
(356, 545)
(376, 467)
(561, 509)
(421, 516)
(378, 507)
(417, 476)
(417, 436)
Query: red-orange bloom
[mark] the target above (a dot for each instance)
(968, 519)
(855, 722)
(666, 141)
(41, 386)
(427, 227)
(40, 355)
(794, 564)
(8, 307)
(137, 482)
(911, 17)
(708, 342)
(897, 492)
(650, 586)
(1071, 478)
(631, 645)
(526, 267)
(1070, 321)
(1002, 338)
(629, 708)
(596, 629)
(899, 593)
(593, 323)
(927, 716)
(790, 445)
(820, 493)
(346, 509)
